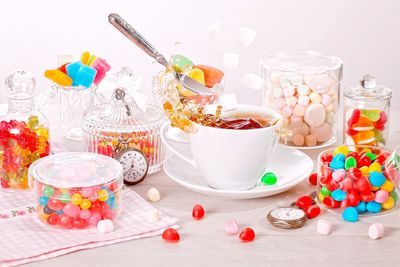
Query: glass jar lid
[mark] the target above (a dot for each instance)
(122, 114)
(368, 90)
(75, 169)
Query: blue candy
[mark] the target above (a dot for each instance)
(350, 214)
(374, 207)
(43, 200)
(339, 157)
(338, 195)
(377, 179)
(60, 212)
(73, 68)
(361, 207)
(337, 164)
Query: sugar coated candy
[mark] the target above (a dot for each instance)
(269, 178)
(247, 235)
(171, 235)
(350, 214)
(198, 212)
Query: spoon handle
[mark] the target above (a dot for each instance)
(118, 22)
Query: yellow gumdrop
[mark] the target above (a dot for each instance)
(375, 167)
(341, 149)
(197, 75)
(85, 204)
(76, 199)
(364, 170)
(320, 197)
(365, 150)
(388, 204)
(375, 188)
(102, 195)
(388, 186)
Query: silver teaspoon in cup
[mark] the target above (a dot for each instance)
(118, 22)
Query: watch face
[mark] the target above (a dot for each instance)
(287, 214)
(134, 164)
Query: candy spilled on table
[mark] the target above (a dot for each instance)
(24, 132)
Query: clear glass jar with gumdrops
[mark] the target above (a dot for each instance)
(304, 87)
(24, 132)
(366, 113)
(360, 179)
(76, 190)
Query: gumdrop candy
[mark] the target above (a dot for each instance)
(197, 75)
(171, 235)
(363, 124)
(58, 77)
(364, 137)
(181, 63)
(247, 235)
(212, 75)
(198, 212)
(372, 114)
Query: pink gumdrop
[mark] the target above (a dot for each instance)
(85, 214)
(381, 196)
(86, 191)
(71, 210)
(338, 175)
(324, 227)
(303, 100)
(231, 227)
(94, 219)
(279, 103)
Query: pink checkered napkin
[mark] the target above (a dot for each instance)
(25, 239)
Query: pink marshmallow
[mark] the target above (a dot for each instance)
(324, 227)
(303, 100)
(291, 101)
(296, 120)
(279, 103)
(288, 91)
(376, 231)
(326, 100)
(286, 112)
(299, 110)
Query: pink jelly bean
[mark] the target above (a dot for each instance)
(71, 210)
(85, 214)
(231, 227)
(381, 196)
(338, 175)
(94, 218)
(86, 191)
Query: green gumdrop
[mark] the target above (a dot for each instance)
(48, 191)
(65, 198)
(393, 194)
(371, 156)
(373, 115)
(325, 192)
(379, 136)
(269, 178)
(180, 63)
(350, 162)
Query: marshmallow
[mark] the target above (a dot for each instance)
(311, 140)
(277, 92)
(214, 29)
(296, 120)
(299, 110)
(291, 101)
(286, 111)
(323, 132)
(303, 90)
(105, 226)
(288, 91)
(279, 103)
(231, 227)
(253, 81)
(303, 100)
(295, 79)
(153, 195)
(315, 115)
(153, 216)
(324, 227)
(326, 100)
(376, 231)
(247, 36)
(231, 60)
(298, 140)
(315, 97)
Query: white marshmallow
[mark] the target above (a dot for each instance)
(303, 89)
(324, 227)
(105, 226)
(231, 60)
(247, 36)
(277, 92)
(153, 195)
(153, 216)
(376, 231)
(214, 29)
(253, 81)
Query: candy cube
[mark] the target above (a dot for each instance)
(101, 66)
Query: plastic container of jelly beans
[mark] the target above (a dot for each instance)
(303, 86)
(75, 190)
(363, 177)
(366, 113)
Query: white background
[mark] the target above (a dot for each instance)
(364, 34)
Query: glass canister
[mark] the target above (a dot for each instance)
(366, 113)
(304, 87)
(76, 189)
(24, 132)
(121, 125)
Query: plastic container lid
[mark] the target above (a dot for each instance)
(368, 90)
(75, 169)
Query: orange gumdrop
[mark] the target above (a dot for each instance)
(364, 138)
(212, 75)
(363, 124)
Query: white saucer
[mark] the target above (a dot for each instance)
(289, 164)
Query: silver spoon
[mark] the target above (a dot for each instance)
(143, 44)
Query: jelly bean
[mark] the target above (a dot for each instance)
(64, 221)
(388, 204)
(376, 231)
(269, 178)
(52, 219)
(181, 63)
(364, 170)
(332, 185)
(350, 214)
(247, 235)
(381, 196)
(85, 204)
(346, 185)
(76, 199)
(65, 198)
(43, 200)
(354, 155)
(350, 163)
(376, 178)
(232, 227)
(375, 167)
(339, 157)
(153, 195)
(338, 195)
(86, 192)
(48, 191)
(371, 156)
(212, 75)
(326, 158)
(171, 235)
(324, 227)
(197, 75)
(367, 196)
(71, 210)
(102, 195)
(374, 207)
(325, 192)
(105, 226)
(94, 218)
(84, 214)
(326, 178)
(320, 197)
(198, 212)
(313, 211)
(361, 207)
(47, 210)
(304, 202)
(341, 150)
(58, 77)
(363, 185)
(313, 178)
(387, 186)
(393, 194)
(338, 175)
(96, 206)
(337, 164)
(364, 161)
(353, 199)
(380, 159)
(354, 173)
(330, 202)
(55, 204)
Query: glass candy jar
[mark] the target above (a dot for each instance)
(366, 113)
(304, 87)
(120, 127)
(24, 132)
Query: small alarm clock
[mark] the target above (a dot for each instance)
(134, 164)
(287, 217)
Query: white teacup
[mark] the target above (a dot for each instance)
(230, 159)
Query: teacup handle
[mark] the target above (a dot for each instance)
(182, 150)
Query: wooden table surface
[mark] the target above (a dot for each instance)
(204, 242)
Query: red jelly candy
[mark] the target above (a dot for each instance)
(355, 117)
(55, 204)
(326, 178)
(247, 235)
(63, 68)
(326, 158)
(352, 199)
(304, 202)
(364, 161)
(52, 219)
(313, 178)
(79, 223)
(354, 155)
(379, 126)
(367, 196)
(198, 212)
(354, 173)
(380, 159)
(330, 202)
(332, 185)
(64, 221)
(171, 235)
(96, 206)
(363, 185)
(313, 211)
(346, 185)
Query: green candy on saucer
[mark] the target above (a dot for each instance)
(269, 178)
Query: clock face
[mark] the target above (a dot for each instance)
(134, 164)
(288, 214)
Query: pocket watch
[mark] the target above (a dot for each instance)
(134, 164)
